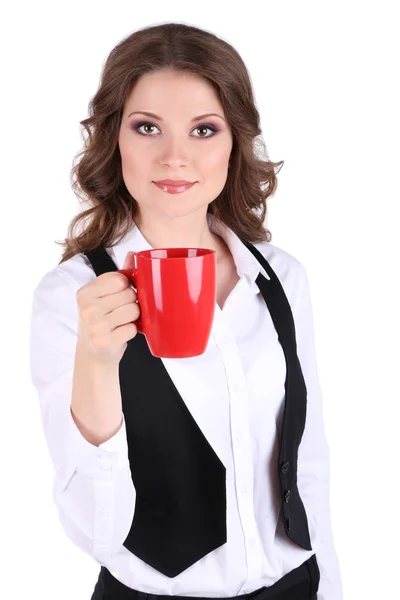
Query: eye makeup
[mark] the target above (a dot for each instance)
(135, 126)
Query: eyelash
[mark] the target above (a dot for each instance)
(206, 126)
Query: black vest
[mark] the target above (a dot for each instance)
(180, 511)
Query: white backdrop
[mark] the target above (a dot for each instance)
(326, 80)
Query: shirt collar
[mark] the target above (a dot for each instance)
(246, 264)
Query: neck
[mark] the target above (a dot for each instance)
(185, 232)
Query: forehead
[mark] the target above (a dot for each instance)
(173, 93)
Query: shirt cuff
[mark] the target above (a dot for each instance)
(98, 461)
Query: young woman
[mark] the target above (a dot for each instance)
(206, 476)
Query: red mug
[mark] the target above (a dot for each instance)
(176, 290)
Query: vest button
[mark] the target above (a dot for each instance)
(284, 467)
(287, 495)
(288, 523)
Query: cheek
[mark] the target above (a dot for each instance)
(132, 159)
(135, 169)
(217, 158)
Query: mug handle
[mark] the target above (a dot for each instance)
(131, 274)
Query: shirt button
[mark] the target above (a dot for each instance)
(244, 490)
(105, 466)
(239, 439)
(104, 512)
(235, 388)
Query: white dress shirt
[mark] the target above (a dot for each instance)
(235, 391)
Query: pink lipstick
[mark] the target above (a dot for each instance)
(174, 186)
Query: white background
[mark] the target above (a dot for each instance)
(326, 81)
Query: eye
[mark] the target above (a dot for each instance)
(210, 127)
(145, 124)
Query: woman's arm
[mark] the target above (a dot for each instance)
(313, 457)
(93, 488)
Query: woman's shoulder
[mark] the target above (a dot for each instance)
(69, 275)
(288, 268)
(282, 262)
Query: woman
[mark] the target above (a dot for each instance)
(230, 495)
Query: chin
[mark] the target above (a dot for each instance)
(177, 204)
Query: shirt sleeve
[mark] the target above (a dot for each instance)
(313, 456)
(92, 488)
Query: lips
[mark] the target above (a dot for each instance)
(174, 188)
(174, 182)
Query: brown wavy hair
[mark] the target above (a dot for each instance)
(97, 177)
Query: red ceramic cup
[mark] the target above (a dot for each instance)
(176, 290)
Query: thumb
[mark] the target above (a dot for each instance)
(129, 261)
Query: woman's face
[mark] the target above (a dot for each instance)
(175, 144)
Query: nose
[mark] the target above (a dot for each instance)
(174, 154)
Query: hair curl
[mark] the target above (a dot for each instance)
(97, 177)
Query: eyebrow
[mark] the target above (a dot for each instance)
(150, 114)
